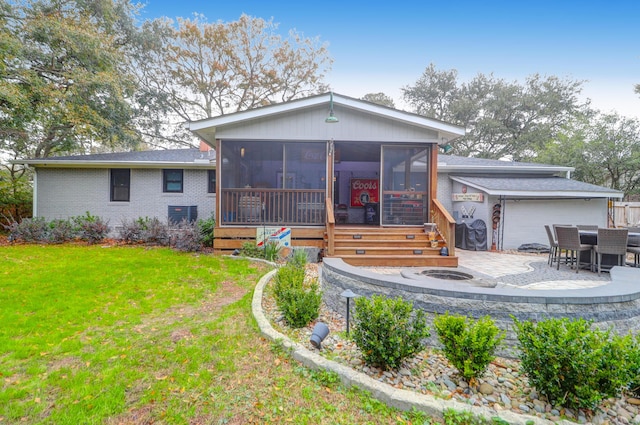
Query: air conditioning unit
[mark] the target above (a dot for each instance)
(179, 213)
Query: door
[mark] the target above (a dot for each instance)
(405, 185)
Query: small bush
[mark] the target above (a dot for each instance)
(186, 237)
(288, 276)
(271, 251)
(156, 232)
(206, 227)
(299, 303)
(251, 250)
(90, 228)
(34, 229)
(468, 345)
(572, 364)
(61, 231)
(145, 230)
(300, 306)
(131, 231)
(298, 258)
(387, 330)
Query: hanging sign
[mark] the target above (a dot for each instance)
(467, 197)
(363, 191)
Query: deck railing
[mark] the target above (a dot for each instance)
(446, 225)
(291, 207)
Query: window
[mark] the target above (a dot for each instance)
(211, 178)
(172, 181)
(120, 184)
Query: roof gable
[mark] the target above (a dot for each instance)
(304, 119)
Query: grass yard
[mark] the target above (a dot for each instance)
(128, 335)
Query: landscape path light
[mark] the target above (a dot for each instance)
(348, 294)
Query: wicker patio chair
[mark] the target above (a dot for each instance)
(587, 226)
(553, 246)
(569, 241)
(635, 250)
(612, 242)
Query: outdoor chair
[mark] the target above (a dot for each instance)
(635, 250)
(569, 241)
(250, 208)
(587, 227)
(612, 242)
(553, 246)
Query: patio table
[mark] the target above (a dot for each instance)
(590, 237)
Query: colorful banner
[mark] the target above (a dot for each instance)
(364, 191)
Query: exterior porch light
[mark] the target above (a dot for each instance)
(446, 147)
(331, 118)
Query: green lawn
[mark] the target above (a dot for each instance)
(128, 335)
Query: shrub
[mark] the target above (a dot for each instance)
(271, 251)
(131, 231)
(468, 345)
(299, 303)
(34, 229)
(90, 228)
(251, 250)
(633, 357)
(61, 231)
(288, 276)
(156, 232)
(298, 258)
(145, 230)
(386, 331)
(572, 364)
(206, 227)
(187, 237)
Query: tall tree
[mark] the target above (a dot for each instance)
(603, 148)
(199, 70)
(380, 99)
(64, 88)
(503, 119)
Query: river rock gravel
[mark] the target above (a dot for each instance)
(503, 386)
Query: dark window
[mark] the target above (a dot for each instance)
(120, 184)
(172, 181)
(211, 178)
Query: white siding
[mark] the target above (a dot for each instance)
(68, 192)
(309, 124)
(524, 220)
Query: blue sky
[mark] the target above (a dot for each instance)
(384, 46)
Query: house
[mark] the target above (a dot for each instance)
(355, 179)
(285, 166)
(516, 199)
(305, 164)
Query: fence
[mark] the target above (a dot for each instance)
(626, 214)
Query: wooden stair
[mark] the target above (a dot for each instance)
(388, 246)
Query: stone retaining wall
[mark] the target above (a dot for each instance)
(615, 305)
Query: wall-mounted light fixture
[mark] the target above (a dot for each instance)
(445, 146)
(242, 152)
(331, 118)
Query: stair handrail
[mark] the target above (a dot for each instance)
(446, 224)
(331, 226)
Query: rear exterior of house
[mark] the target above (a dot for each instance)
(360, 187)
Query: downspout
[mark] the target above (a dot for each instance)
(35, 192)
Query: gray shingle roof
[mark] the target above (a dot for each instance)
(456, 162)
(148, 158)
(536, 186)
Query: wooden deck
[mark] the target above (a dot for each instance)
(359, 245)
